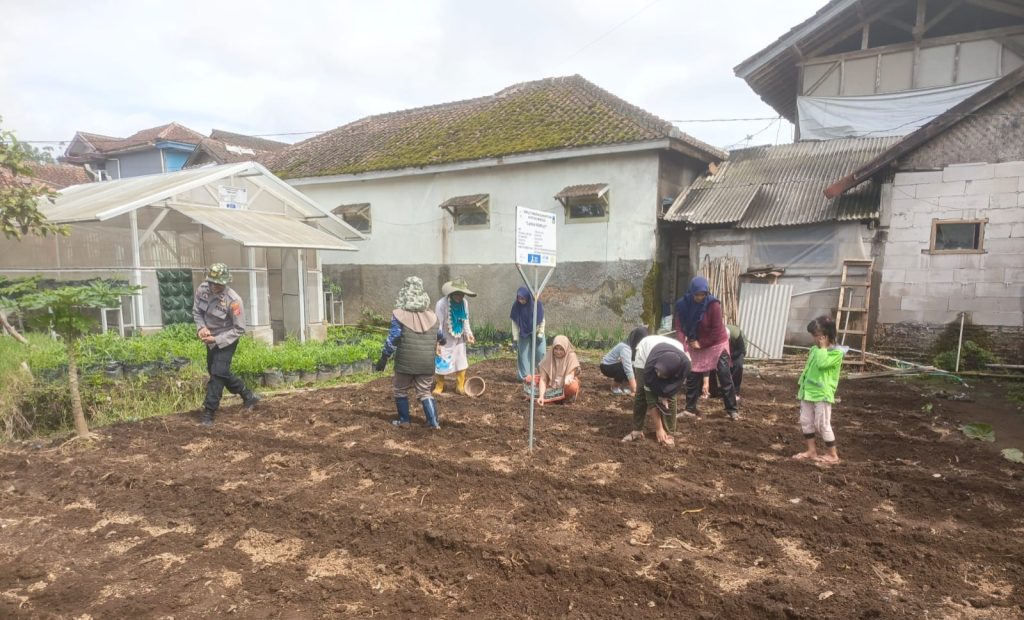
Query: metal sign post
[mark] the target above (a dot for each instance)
(535, 247)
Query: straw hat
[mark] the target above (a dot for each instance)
(458, 285)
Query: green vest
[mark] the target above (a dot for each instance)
(415, 352)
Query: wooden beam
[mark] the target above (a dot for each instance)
(832, 40)
(1009, 31)
(865, 36)
(814, 87)
(902, 25)
(919, 21)
(1014, 46)
(1000, 7)
(938, 17)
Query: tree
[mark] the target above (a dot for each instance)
(10, 292)
(40, 156)
(19, 196)
(65, 313)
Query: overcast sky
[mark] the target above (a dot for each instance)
(114, 67)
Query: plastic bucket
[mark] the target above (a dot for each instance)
(475, 386)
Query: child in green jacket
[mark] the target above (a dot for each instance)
(818, 384)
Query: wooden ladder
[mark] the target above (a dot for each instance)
(854, 305)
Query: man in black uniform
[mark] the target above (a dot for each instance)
(220, 321)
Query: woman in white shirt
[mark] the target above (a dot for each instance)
(663, 364)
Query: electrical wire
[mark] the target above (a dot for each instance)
(700, 120)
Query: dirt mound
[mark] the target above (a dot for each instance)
(315, 505)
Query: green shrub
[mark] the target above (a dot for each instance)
(972, 357)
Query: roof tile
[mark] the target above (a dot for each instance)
(531, 117)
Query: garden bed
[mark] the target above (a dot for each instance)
(316, 506)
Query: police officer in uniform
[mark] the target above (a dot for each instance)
(220, 321)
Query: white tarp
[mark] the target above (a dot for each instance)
(891, 114)
(816, 249)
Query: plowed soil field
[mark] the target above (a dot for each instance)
(315, 506)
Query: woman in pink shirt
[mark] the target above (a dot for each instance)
(701, 328)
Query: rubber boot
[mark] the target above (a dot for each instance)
(207, 419)
(402, 405)
(250, 400)
(460, 382)
(430, 410)
(438, 384)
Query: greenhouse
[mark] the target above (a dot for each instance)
(161, 231)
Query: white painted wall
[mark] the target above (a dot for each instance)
(409, 227)
(934, 288)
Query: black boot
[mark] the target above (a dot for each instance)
(207, 417)
(250, 400)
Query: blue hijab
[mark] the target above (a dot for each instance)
(688, 311)
(522, 314)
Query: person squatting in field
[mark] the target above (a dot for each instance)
(664, 365)
(817, 392)
(558, 376)
(413, 340)
(617, 364)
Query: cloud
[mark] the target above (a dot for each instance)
(115, 67)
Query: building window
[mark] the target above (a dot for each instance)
(585, 203)
(958, 236)
(355, 215)
(469, 212)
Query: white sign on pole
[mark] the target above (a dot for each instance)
(535, 237)
(232, 197)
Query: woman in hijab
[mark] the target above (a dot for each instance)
(700, 326)
(617, 364)
(412, 339)
(559, 373)
(524, 332)
(664, 365)
(453, 312)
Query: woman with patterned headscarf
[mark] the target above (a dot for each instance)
(412, 339)
(453, 312)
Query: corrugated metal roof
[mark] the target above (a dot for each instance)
(717, 205)
(469, 200)
(262, 230)
(582, 191)
(782, 185)
(109, 199)
(97, 201)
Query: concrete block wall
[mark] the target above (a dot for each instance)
(921, 292)
(933, 288)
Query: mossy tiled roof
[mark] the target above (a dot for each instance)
(532, 117)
